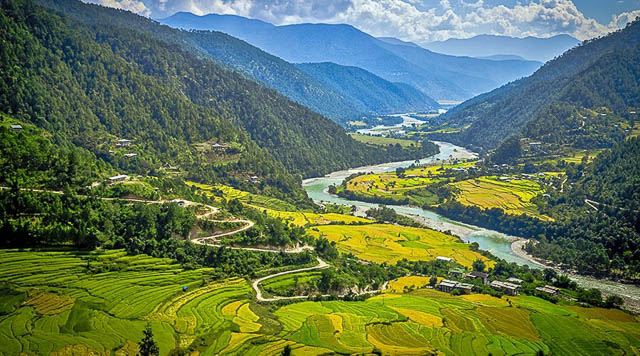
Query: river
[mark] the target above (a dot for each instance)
(497, 243)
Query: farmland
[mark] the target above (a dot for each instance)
(383, 141)
(100, 302)
(386, 243)
(513, 195)
(224, 193)
(309, 218)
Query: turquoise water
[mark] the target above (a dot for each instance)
(497, 243)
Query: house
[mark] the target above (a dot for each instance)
(456, 272)
(551, 290)
(130, 155)
(480, 275)
(123, 142)
(506, 287)
(16, 127)
(444, 259)
(217, 146)
(514, 280)
(118, 178)
(254, 178)
(465, 288)
(447, 285)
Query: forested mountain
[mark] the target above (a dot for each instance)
(438, 76)
(89, 84)
(531, 48)
(368, 92)
(606, 241)
(601, 73)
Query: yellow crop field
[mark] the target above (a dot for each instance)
(399, 285)
(246, 319)
(48, 303)
(304, 218)
(390, 243)
(391, 186)
(513, 196)
(419, 317)
(222, 192)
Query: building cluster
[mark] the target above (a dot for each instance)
(510, 287)
(550, 290)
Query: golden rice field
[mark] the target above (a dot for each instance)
(307, 218)
(229, 193)
(389, 185)
(514, 196)
(51, 304)
(403, 283)
(390, 243)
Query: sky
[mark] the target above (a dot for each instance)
(420, 21)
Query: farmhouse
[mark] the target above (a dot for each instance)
(16, 127)
(118, 178)
(551, 290)
(444, 259)
(465, 288)
(217, 146)
(447, 285)
(514, 280)
(456, 272)
(506, 287)
(254, 178)
(480, 275)
(130, 155)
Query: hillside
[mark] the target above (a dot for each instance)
(113, 83)
(531, 48)
(438, 76)
(369, 93)
(600, 73)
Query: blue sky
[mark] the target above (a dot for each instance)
(420, 21)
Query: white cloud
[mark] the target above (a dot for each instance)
(130, 5)
(410, 20)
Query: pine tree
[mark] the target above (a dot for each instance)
(148, 346)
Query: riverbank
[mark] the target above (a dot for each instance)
(607, 287)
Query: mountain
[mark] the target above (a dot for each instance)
(396, 41)
(600, 73)
(366, 91)
(85, 75)
(531, 48)
(438, 76)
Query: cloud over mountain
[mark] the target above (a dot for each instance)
(413, 20)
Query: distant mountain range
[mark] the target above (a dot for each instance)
(438, 76)
(530, 48)
(602, 75)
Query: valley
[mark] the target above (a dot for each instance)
(310, 188)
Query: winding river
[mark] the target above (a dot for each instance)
(497, 243)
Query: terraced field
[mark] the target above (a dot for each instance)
(220, 192)
(513, 196)
(99, 302)
(383, 141)
(386, 243)
(310, 219)
(291, 284)
(403, 189)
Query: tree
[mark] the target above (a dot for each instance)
(287, 350)
(433, 281)
(148, 346)
(479, 265)
(613, 301)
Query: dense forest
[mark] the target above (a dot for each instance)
(605, 241)
(88, 84)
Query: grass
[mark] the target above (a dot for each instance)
(391, 243)
(513, 197)
(75, 302)
(291, 284)
(383, 141)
